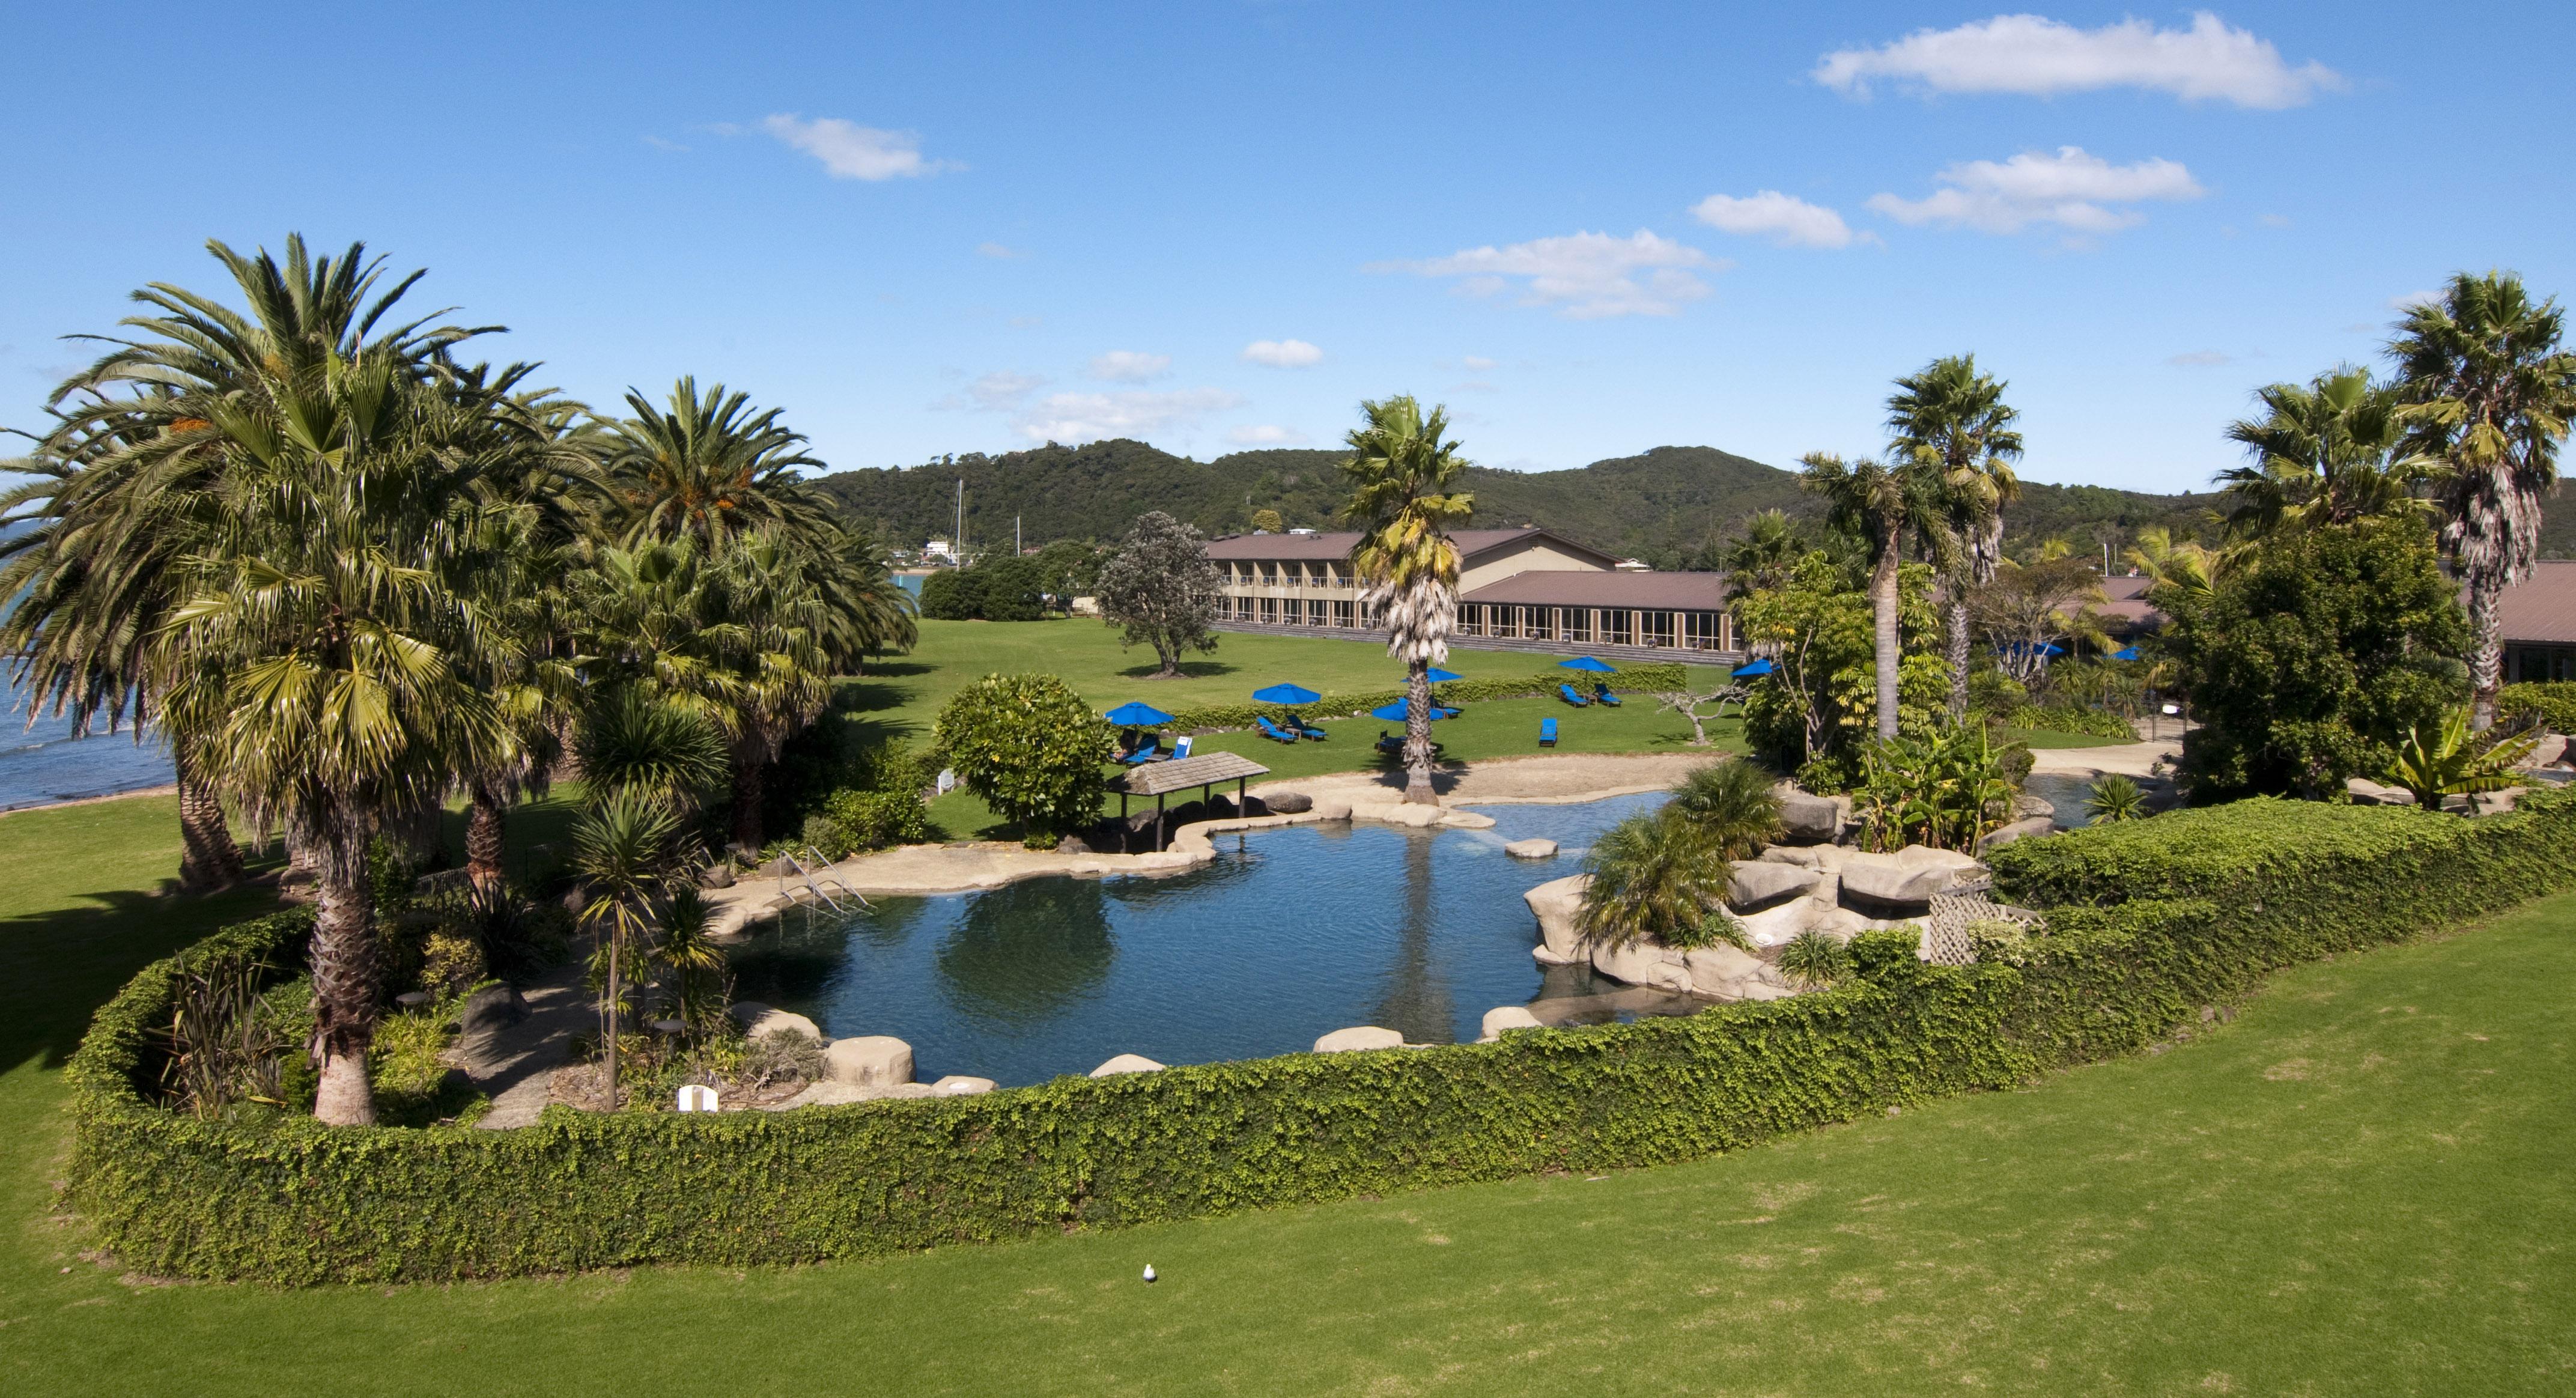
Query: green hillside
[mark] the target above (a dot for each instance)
(1663, 506)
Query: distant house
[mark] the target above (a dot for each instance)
(1519, 589)
(2538, 619)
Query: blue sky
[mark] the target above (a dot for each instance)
(958, 228)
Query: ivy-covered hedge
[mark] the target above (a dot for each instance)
(2073, 718)
(2554, 701)
(2240, 890)
(1627, 679)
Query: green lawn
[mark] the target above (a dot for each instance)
(2361, 1185)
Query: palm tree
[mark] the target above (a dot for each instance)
(1655, 876)
(708, 468)
(1879, 501)
(1733, 805)
(631, 852)
(321, 634)
(127, 476)
(2325, 452)
(2190, 568)
(1764, 557)
(1953, 421)
(1403, 500)
(2490, 393)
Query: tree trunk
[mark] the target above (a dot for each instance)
(486, 823)
(609, 1012)
(1958, 643)
(1417, 735)
(208, 858)
(2486, 650)
(1882, 596)
(750, 782)
(344, 972)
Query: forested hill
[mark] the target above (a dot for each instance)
(1663, 506)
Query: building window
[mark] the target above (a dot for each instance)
(1703, 631)
(1539, 623)
(1342, 614)
(1659, 628)
(1315, 611)
(1269, 610)
(1578, 625)
(1619, 628)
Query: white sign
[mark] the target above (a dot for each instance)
(697, 1097)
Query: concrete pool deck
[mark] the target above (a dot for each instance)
(916, 870)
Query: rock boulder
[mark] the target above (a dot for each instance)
(1881, 879)
(2026, 829)
(1808, 819)
(1366, 1036)
(758, 1021)
(1556, 903)
(1506, 1018)
(869, 1060)
(957, 1085)
(1759, 883)
(1642, 963)
(1126, 1063)
(1288, 802)
(1531, 849)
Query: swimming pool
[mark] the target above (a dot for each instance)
(1290, 934)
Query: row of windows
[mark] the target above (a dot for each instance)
(1288, 574)
(1600, 625)
(1292, 611)
(2534, 663)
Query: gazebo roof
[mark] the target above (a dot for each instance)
(1207, 769)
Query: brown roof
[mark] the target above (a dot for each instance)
(2542, 609)
(1321, 548)
(1155, 778)
(1697, 592)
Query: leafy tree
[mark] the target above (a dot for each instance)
(1816, 630)
(1952, 422)
(1267, 522)
(1069, 568)
(1160, 588)
(2326, 452)
(1764, 557)
(1882, 502)
(1404, 498)
(2492, 390)
(2444, 759)
(1033, 751)
(952, 595)
(2029, 607)
(2315, 655)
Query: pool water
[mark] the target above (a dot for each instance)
(2066, 791)
(1290, 934)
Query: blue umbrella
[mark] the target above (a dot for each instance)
(2130, 654)
(1759, 667)
(1435, 674)
(1394, 713)
(1286, 694)
(1585, 662)
(1136, 715)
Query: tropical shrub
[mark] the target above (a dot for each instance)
(1655, 876)
(1815, 961)
(1033, 751)
(2446, 760)
(2114, 797)
(2552, 703)
(2090, 723)
(1946, 790)
(880, 819)
(1820, 698)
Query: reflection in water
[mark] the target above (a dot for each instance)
(1024, 950)
(1289, 935)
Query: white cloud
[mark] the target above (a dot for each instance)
(1586, 276)
(2201, 359)
(999, 251)
(1130, 366)
(2273, 220)
(1785, 219)
(1282, 354)
(659, 144)
(853, 152)
(1083, 417)
(996, 392)
(2070, 189)
(1266, 435)
(2038, 57)
(2412, 299)
(1477, 363)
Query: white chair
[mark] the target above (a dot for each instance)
(697, 1097)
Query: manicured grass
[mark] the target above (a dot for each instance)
(2361, 1185)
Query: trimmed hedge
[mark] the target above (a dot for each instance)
(2071, 718)
(2554, 701)
(2264, 884)
(1642, 678)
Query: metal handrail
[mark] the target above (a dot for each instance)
(814, 880)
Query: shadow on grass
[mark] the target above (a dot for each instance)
(1190, 670)
(58, 967)
(889, 670)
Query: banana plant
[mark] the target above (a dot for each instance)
(2450, 762)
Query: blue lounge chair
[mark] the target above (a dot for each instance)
(1601, 694)
(1271, 730)
(1298, 725)
(1547, 732)
(1145, 751)
(1182, 749)
(1566, 692)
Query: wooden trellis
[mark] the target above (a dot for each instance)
(1947, 940)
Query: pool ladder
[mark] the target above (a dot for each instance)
(820, 883)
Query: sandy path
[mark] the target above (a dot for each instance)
(2126, 759)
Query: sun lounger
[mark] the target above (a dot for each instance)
(1144, 752)
(1601, 694)
(1547, 732)
(1272, 731)
(1566, 692)
(1298, 725)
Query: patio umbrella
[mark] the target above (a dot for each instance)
(1759, 667)
(1285, 694)
(1394, 713)
(1137, 715)
(1585, 662)
(2130, 654)
(1435, 674)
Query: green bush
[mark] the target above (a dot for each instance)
(880, 819)
(2553, 702)
(2067, 718)
(2196, 907)
(1031, 749)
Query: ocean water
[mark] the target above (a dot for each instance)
(1290, 934)
(44, 764)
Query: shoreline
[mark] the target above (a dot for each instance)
(165, 789)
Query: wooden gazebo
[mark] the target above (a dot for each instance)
(1160, 779)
